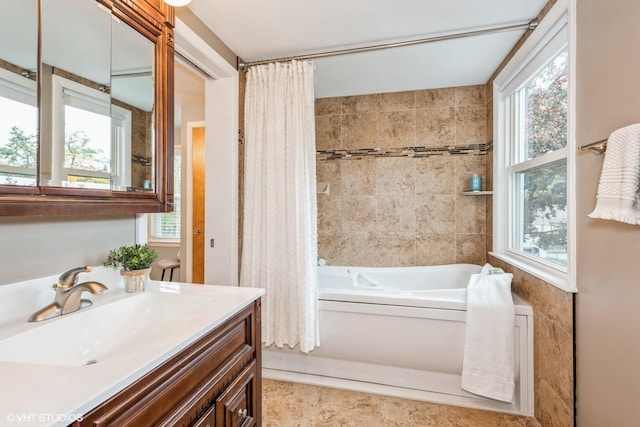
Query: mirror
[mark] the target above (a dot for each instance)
(132, 102)
(18, 93)
(96, 123)
(75, 138)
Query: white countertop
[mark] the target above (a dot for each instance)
(45, 395)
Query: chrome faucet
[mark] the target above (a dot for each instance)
(68, 295)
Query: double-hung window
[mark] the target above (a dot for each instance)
(165, 227)
(533, 162)
(81, 153)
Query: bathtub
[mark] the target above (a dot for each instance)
(400, 331)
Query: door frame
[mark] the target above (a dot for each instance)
(221, 139)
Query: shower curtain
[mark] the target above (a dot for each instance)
(279, 249)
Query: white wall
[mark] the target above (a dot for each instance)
(221, 181)
(607, 303)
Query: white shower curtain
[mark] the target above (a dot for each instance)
(279, 249)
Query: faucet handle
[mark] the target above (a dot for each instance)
(70, 278)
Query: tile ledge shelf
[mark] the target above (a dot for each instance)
(477, 193)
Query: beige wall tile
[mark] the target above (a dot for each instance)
(436, 126)
(359, 213)
(395, 249)
(435, 249)
(358, 177)
(470, 95)
(396, 129)
(435, 175)
(329, 213)
(471, 214)
(330, 246)
(435, 98)
(470, 248)
(434, 214)
(416, 197)
(395, 213)
(397, 101)
(331, 172)
(553, 345)
(359, 130)
(328, 132)
(359, 249)
(489, 122)
(467, 166)
(326, 106)
(470, 125)
(550, 410)
(394, 175)
(361, 104)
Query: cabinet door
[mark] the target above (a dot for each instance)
(236, 406)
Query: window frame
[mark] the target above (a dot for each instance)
(63, 89)
(155, 217)
(23, 90)
(557, 30)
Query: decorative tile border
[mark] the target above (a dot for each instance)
(420, 151)
(143, 160)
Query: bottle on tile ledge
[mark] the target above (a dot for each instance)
(475, 182)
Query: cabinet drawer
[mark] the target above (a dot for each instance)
(237, 406)
(208, 419)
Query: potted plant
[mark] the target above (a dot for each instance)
(135, 264)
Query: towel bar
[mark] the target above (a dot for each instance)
(598, 147)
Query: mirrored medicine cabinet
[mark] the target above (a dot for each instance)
(86, 107)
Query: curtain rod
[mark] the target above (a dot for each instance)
(524, 26)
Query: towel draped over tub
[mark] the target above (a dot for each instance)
(488, 366)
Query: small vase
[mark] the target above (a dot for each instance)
(136, 280)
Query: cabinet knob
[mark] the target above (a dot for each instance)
(242, 413)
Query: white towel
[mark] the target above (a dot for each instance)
(620, 177)
(488, 366)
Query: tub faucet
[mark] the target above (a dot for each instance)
(68, 295)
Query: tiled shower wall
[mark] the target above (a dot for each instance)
(397, 164)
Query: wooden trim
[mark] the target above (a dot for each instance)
(155, 20)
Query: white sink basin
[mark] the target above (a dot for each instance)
(97, 333)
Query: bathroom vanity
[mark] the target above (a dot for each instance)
(213, 382)
(176, 354)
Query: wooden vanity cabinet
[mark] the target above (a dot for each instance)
(215, 382)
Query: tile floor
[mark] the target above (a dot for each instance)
(299, 405)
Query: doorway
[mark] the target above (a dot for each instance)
(189, 111)
(220, 114)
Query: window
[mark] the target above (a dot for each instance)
(165, 227)
(84, 141)
(532, 198)
(538, 170)
(19, 130)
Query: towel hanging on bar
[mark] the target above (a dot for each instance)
(620, 178)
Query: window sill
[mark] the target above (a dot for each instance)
(549, 275)
(164, 243)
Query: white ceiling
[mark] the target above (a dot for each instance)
(259, 29)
